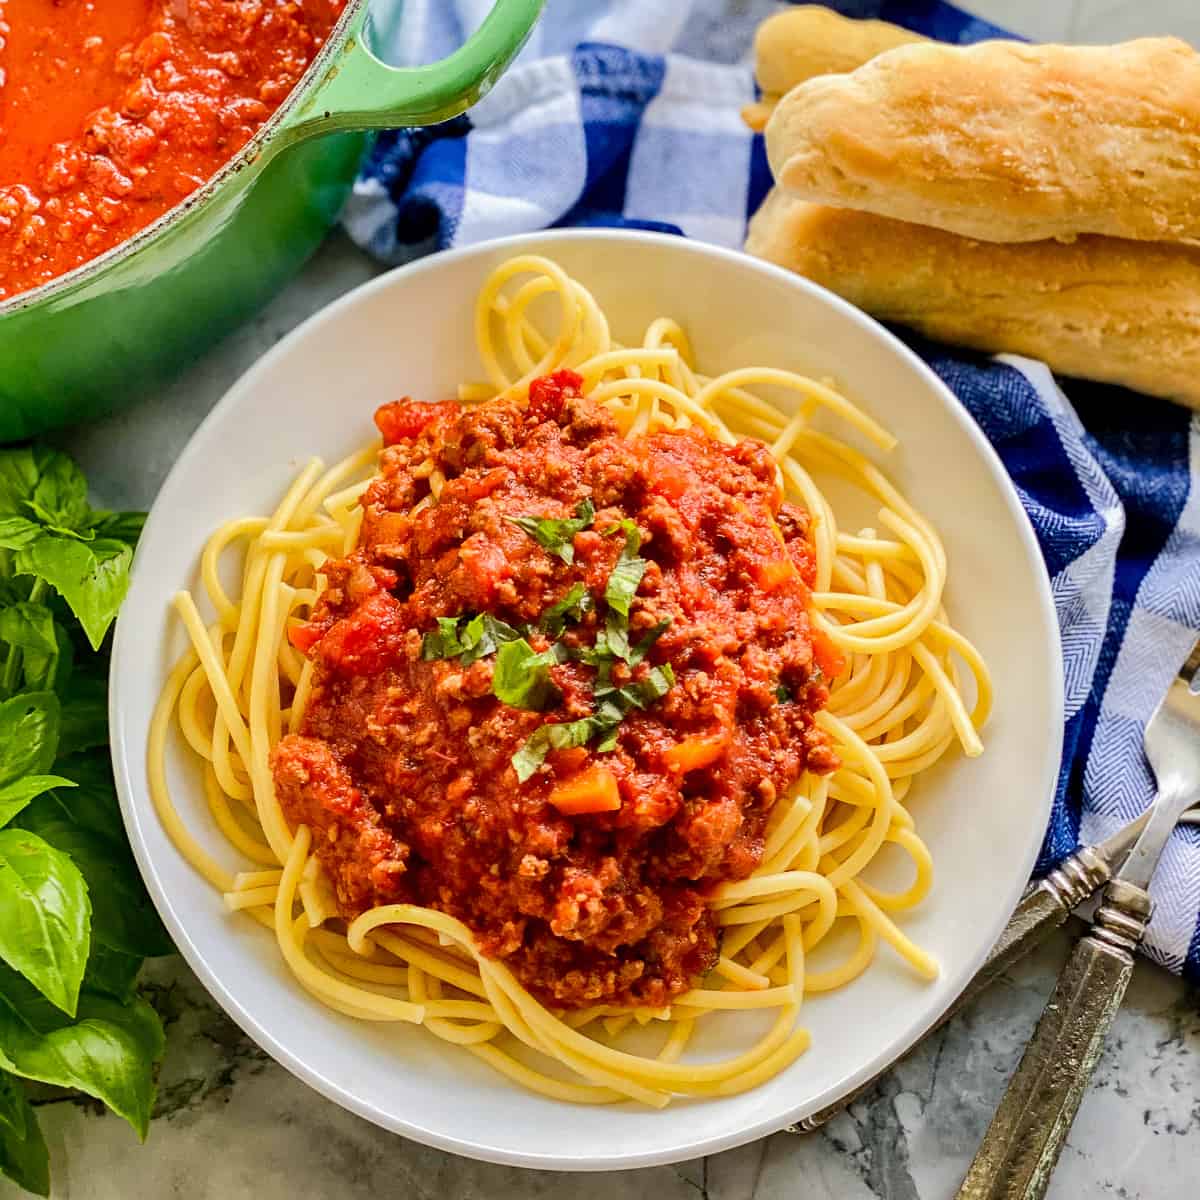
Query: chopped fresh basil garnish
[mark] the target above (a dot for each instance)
(627, 572)
(467, 638)
(558, 736)
(556, 535)
(522, 677)
(783, 693)
(614, 704)
(572, 607)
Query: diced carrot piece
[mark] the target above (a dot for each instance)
(700, 750)
(591, 791)
(774, 573)
(827, 656)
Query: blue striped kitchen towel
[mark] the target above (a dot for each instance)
(625, 112)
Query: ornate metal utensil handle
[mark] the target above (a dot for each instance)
(1026, 1135)
(1043, 908)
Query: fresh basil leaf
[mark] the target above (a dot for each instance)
(17, 532)
(467, 638)
(92, 803)
(30, 629)
(486, 637)
(783, 693)
(574, 606)
(59, 498)
(83, 721)
(558, 736)
(627, 572)
(111, 972)
(656, 684)
(24, 1157)
(18, 479)
(443, 642)
(45, 916)
(522, 677)
(108, 1051)
(12, 1112)
(645, 643)
(556, 535)
(16, 795)
(29, 726)
(92, 578)
(123, 526)
(123, 917)
(616, 634)
(611, 730)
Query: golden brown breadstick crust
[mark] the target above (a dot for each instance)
(1003, 141)
(810, 40)
(1100, 308)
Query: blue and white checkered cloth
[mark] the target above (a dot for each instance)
(625, 112)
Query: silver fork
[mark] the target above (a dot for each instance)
(1023, 1142)
(1045, 907)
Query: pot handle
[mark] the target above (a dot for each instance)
(360, 92)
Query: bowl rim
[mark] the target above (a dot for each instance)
(250, 157)
(123, 739)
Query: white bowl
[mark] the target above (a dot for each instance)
(410, 332)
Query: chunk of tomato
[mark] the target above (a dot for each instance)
(404, 420)
(364, 642)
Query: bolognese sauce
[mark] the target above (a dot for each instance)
(559, 686)
(113, 112)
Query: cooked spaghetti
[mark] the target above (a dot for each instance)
(572, 708)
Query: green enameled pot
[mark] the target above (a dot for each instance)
(105, 333)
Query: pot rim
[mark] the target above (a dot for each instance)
(244, 159)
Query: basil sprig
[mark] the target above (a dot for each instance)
(75, 920)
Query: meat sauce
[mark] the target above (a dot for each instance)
(590, 877)
(112, 111)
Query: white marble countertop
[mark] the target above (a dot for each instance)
(231, 1123)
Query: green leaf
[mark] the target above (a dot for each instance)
(17, 532)
(783, 693)
(627, 572)
(16, 795)
(12, 1112)
(59, 498)
(443, 642)
(18, 479)
(28, 735)
(92, 578)
(92, 803)
(108, 1051)
(45, 916)
(574, 606)
(123, 526)
(30, 628)
(522, 677)
(561, 735)
(23, 1156)
(83, 723)
(485, 635)
(111, 972)
(467, 638)
(556, 535)
(123, 917)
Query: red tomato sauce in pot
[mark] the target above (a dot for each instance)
(589, 876)
(112, 111)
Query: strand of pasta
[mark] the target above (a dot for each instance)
(897, 710)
